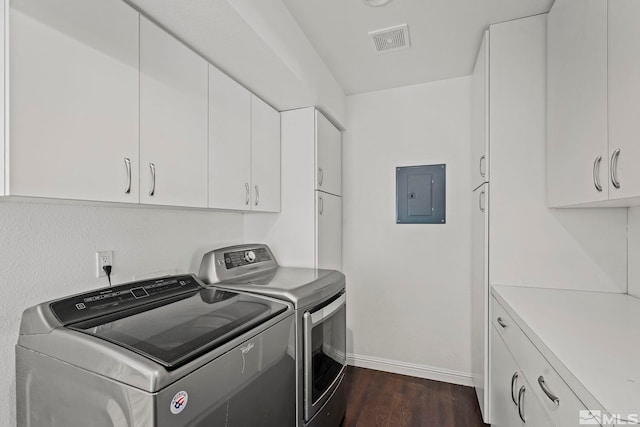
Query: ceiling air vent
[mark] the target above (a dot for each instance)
(390, 39)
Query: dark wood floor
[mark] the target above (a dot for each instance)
(381, 399)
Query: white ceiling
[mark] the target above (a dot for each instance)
(445, 36)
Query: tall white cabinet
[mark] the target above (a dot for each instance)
(73, 100)
(480, 222)
(308, 230)
(173, 120)
(517, 239)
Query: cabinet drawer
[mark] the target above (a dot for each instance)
(502, 321)
(539, 373)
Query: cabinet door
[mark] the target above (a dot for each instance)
(529, 407)
(480, 298)
(74, 100)
(328, 231)
(265, 156)
(577, 148)
(480, 116)
(328, 156)
(624, 96)
(506, 380)
(512, 397)
(229, 143)
(173, 120)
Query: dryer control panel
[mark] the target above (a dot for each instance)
(236, 262)
(250, 256)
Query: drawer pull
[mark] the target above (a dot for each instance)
(552, 397)
(514, 382)
(501, 323)
(521, 403)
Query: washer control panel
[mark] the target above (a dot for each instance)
(245, 257)
(118, 298)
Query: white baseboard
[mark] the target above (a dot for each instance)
(414, 370)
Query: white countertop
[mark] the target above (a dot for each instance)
(591, 339)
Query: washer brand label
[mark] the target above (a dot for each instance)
(179, 402)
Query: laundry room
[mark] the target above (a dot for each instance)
(319, 213)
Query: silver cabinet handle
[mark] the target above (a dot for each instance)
(596, 173)
(152, 167)
(521, 403)
(481, 199)
(501, 323)
(614, 168)
(257, 195)
(321, 205)
(320, 176)
(247, 193)
(483, 172)
(514, 383)
(127, 165)
(552, 397)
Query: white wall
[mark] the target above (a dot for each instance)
(408, 285)
(47, 250)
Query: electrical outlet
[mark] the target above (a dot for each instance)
(103, 258)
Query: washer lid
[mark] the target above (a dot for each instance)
(170, 320)
(177, 332)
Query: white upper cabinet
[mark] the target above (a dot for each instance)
(593, 103)
(173, 120)
(265, 156)
(74, 100)
(328, 156)
(577, 148)
(229, 143)
(480, 116)
(244, 148)
(624, 97)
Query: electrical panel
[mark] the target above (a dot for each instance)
(421, 194)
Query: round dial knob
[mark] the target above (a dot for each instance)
(249, 256)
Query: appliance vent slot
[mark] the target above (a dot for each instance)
(390, 39)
